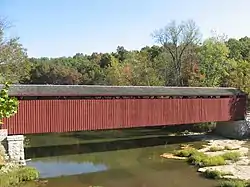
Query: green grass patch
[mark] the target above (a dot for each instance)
(215, 149)
(18, 176)
(215, 174)
(187, 152)
(234, 156)
(202, 160)
(234, 183)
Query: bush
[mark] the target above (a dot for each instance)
(187, 152)
(233, 183)
(215, 174)
(18, 176)
(200, 159)
(197, 158)
(214, 149)
(234, 156)
(213, 161)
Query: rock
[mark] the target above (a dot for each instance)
(202, 170)
(239, 169)
(171, 156)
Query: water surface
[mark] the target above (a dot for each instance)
(130, 159)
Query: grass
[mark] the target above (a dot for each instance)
(234, 156)
(215, 149)
(203, 160)
(215, 174)
(187, 152)
(18, 176)
(200, 159)
(234, 183)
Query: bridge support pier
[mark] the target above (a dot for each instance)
(16, 148)
(234, 129)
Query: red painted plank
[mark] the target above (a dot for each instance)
(44, 116)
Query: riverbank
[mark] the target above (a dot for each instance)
(14, 174)
(220, 158)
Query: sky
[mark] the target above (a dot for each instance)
(54, 28)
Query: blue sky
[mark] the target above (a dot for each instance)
(64, 27)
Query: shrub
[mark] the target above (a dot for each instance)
(213, 161)
(214, 149)
(8, 105)
(233, 183)
(17, 176)
(215, 174)
(234, 156)
(187, 152)
(28, 174)
(200, 159)
(197, 158)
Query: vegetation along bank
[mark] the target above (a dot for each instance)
(222, 159)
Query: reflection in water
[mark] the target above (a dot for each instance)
(128, 163)
(60, 168)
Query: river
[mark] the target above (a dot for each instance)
(124, 158)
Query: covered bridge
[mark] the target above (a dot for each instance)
(65, 108)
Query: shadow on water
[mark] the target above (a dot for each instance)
(95, 147)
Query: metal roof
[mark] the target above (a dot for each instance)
(98, 90)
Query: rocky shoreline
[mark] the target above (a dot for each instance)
(218, 146)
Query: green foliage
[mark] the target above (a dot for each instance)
(213, 62)
(215, 174)
(179, 60)
(13, 57)
(18, 176)
(185, 152)
(200, 159)
(234, 156)
(214, 149)
(8, 105)
(212, 161)
(234, 183)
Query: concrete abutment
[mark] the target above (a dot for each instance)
(12, 147)
(234, 129)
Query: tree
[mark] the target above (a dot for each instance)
(176, 39)
(213, 65)
(142, 70)
(239, 49)
(8, 105)
(118, 74)
(13, 57)
(49, 73)
(91, 72)
(239, 75)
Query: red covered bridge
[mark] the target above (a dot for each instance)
(61, 108)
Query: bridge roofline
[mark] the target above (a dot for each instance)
(100, 90)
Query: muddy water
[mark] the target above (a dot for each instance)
(128, 158)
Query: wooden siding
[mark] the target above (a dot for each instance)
(45, 116)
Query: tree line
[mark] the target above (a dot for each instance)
(179, 58)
